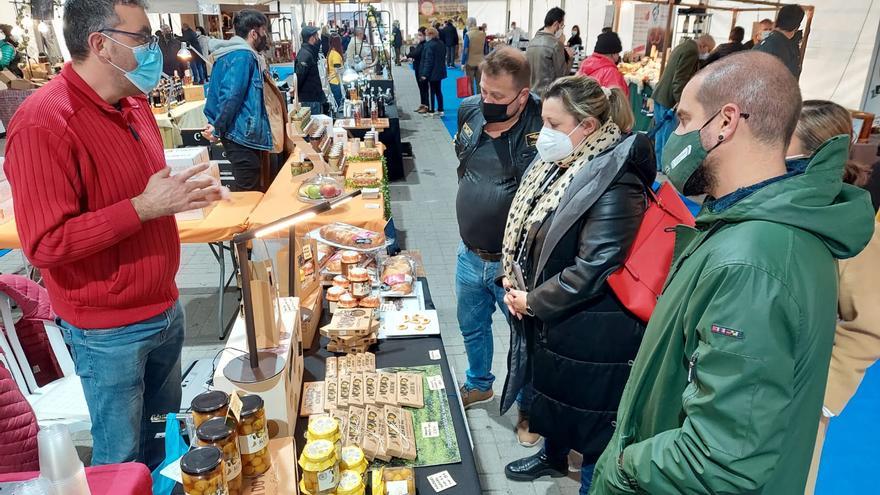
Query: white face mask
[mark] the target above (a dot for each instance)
(704, 56)
(554, 145)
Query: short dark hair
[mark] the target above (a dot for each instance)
(84, 17)
(737, 34)
(246, 20)
(422, 29)
(508, 60)
(761, 86)
(554, 15)
(200, 29)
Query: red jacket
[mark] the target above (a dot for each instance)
(74, 162)
(605, 71)
(18, 428)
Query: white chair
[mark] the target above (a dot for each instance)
(61, 401)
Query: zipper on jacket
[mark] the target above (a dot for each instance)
(692, 367)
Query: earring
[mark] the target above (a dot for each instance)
(721, 137)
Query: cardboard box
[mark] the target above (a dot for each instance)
(310, 323)
(312, 399)
(387, 393)
(7, 76)
(371, 387)
(349, 323)
(356, 396)
(354, 434)
(331, 393)
(374, 434)
(180, 159)
(400, 434)
(194, 93)
(410, 392)
(264, 297)
(282, 477)
(330, 367)
(21, 84)
(344, 391)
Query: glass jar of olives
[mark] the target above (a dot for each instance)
(253, 437)
(353, 459)
(320, 465)
(325, 428)
(203, 472)
(207, 405)
(351, 483)
(221, 433)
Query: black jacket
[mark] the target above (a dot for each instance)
(398, 37)
(724, 50)
(325, 44)
(415, 53)
(169, 46)
(449, 35)
(788, 50)
(308, 79)
(581, 342)
(433, 63)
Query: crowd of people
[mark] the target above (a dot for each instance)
(725, 389)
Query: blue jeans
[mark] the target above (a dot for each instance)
(199, 70)
(316, 107)
(477, 295)
(336, 89)
(128, 374)
(665, 122)
(557, 452)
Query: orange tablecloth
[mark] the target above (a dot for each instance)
(225, 220)
(282, 200)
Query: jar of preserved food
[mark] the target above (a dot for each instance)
(253, 437)
(320, 465)
(207, 405)
(325, 428)
(353, 459)
(350, 260)
(360, 282)
(221, 433)
(351, 483)
(203, 472)
(399, 480)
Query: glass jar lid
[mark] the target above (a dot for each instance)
(318, 451)
(201, 460)
(209, 401)
(323, 427)
(215, 429)
(350, 483)
(251, 404)
(352, 456)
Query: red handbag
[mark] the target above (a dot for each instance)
(464, 87)
(639, 282)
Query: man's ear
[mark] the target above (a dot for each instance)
(98, 45)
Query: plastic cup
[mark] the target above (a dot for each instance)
(74, 485)
(58, 459)
(36, 486)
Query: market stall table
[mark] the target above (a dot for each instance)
(187, 115)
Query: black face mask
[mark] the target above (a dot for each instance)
(262, 43)
(496, 112)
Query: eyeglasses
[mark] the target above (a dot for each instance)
(151, 40)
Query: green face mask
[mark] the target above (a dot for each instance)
(683, 155)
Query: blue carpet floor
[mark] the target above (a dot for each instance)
(852, 448)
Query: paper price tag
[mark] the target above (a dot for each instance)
(430, 429)
(436, 382)
(307, 252)
(372, 206)
(434, 354)
(397, 488)
(235, 406)
(441, 481)
(172, 471)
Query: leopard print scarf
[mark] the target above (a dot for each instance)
(542, 189)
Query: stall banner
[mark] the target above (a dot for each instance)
(649, 29)
(433, 11)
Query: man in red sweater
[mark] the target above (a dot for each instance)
(94, 207)
(602, 64)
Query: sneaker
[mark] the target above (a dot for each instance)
(422, 109)
(523, 435)
(472, 397)
(428, 113)
(439, 114)
(534, 467)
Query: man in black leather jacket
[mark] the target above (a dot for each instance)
(495, 143)
(308, 79)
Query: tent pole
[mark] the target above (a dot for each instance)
(531, 8)
(669, 36)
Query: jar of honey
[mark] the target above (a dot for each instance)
(207, 405)
(348, 260)
(221, 433)
(351, 483)
(320, 468)
(253, 437)
(325, 428)
(360, 282)
(203, 472)
(353, 459)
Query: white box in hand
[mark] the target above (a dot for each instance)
(200, 213)
(180, 159)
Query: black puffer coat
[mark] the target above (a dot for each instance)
(580, 344)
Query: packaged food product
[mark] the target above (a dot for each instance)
(370, 387)
(346, 301)
(331, 395)
(387, 393)
(320, 188)
(253, 437)
(348, 260)
(221, 433)
(345, 365)
(330, 366)
(356, 397)
(400, 436)
(355, 433)
(399, 481)
(320, 468)
(341, 417)
(312, 399)
(348, 322)
(207, 405)
(341, 281)
(351, 236)
(334, 293)
(334, 262)
(203, 472)
(325, 428)
(360, 282)
(374, 434)
(369, 361)
(351, 483)
(344, 391)
(369, 154)
(398, 275)
(410, 391)
(353, 459)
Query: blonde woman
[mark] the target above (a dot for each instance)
(571, 224)
(857, 338)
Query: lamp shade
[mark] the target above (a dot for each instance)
(184, 53)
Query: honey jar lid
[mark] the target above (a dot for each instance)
(201, 460)
(318, 455)
(250, 404)
(350, 483)
(209, 401)
(352, 456)
(323, 426)
(215, 429)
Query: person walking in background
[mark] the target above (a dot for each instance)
(449, 35)
(169, 45)
(335, 64)
(495, 143)
(196, 64)
(235, 106)
(359, 54)
(346, 39)
(204, 41)
(784, 41)
(734, 44)
(515, 36)
(308, 77)
(572, 223)
(726, 391)
(765, 27)
(547, 57)
(575, 39)
(396, 41)
(104, 234)
(433, 70)
(602, 64)
(415, 54)
(857, 338)
(684, 62)
(472, 54)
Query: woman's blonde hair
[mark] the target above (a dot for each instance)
(821, 120)
(584, 97)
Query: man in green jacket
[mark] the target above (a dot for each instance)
(683, 63)
(726, 392)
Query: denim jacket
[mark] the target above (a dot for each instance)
(235, 105)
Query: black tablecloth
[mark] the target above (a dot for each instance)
(401, 353)
(391, 139)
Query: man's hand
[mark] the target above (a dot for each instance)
(517, 303)
(208, 133)
(166, 195)
(505, 282)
